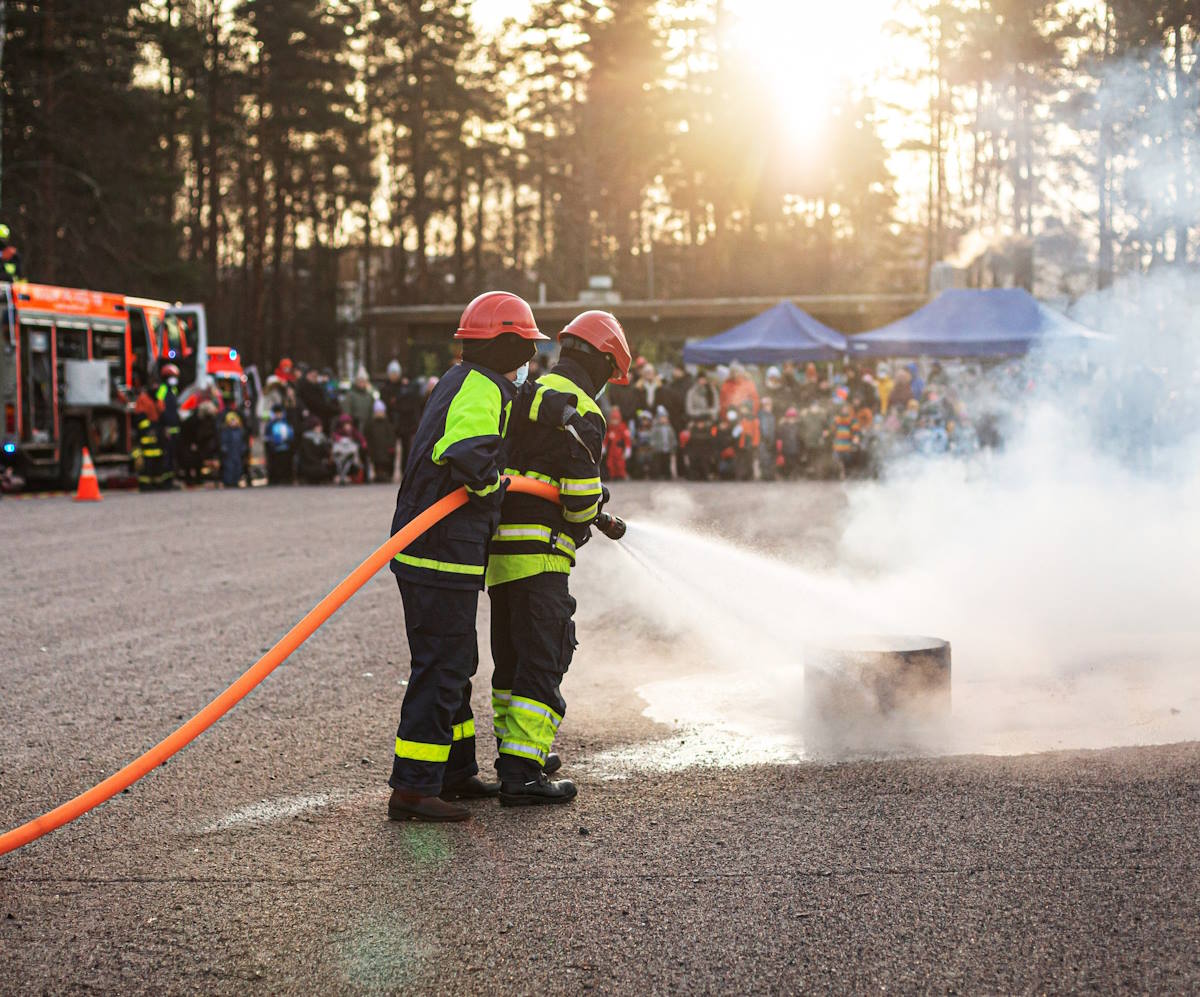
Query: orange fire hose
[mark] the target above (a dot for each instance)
(131, 773)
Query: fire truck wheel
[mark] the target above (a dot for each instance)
(70, 461)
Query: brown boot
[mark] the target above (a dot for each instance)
(410, 806)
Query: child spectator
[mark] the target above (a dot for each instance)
(683, 455)
(233, 449)
(347, 450)
(746, 440)
(663, 444)
(381, 442)
(845, 433)
(280, 443)
(789, 444)
(726, 446)
(929, 438)
(961, 438)
(618, 445)
(702, 451)
(315, 464)
(767, 435)
(643, 453)
(813, 450)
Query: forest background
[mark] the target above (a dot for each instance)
(292, 162)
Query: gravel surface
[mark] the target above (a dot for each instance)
(260, 857)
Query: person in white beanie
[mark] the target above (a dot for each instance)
(359, 401)
(402, 396)
(381, 443)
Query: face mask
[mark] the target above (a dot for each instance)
(172, 381)
(522, 374)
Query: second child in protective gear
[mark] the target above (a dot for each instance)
(459, 442)
(618, 445)
(533, 550)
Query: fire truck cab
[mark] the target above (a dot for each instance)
(69, 360)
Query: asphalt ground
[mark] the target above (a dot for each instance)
(259, 859)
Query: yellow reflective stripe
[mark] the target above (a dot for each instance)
(421, 752)
(522, 750)
(487, 489)
(464, 729)
(500, 701)
(474, 411)
(581, 486)
(425, 562)
(531, 723)
(504, 568)
(536, 475)
(584, 516)
(556, 382)
(540, 709)
(536, 406)
(516, 532)
(522, 531)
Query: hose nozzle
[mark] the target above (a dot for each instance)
(611, 526)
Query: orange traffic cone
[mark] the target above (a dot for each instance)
(89, 486)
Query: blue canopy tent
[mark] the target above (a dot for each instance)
(1000, 322)
(782, 333)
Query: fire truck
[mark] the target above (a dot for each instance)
(69, 359)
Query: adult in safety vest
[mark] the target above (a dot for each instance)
(460, 441)
(533, 551)
(149, 459)
(167, 396)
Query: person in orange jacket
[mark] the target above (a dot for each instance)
(618, 445)
(738, 389)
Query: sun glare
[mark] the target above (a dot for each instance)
(807, 51)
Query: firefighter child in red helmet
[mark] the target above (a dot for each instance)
(534, 549)
(460, 441)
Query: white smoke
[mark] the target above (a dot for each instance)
(1065, 571)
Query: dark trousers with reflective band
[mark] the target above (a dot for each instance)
(533, 641)
(435, 744)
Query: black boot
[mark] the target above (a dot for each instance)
(471, 788)
(536, 791)
(551, 765)
(409, 806)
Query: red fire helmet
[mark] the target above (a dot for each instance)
(601, 331)
(495, 313)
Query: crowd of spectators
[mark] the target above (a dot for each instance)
(785, 421)
(316, 432)
(735, 423)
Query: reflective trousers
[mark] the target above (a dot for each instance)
(533, 641)
(435, 743)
